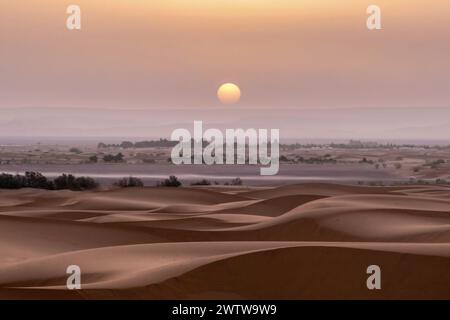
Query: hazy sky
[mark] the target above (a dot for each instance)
(175, 53)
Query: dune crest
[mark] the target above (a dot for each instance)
(312, 240)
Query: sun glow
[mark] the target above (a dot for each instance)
(229, 93)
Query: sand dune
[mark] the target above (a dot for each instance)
(293, 242)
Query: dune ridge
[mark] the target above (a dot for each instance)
(313, 240)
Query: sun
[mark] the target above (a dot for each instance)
(229, 93)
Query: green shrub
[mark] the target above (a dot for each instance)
(171, 182)
(110, 158)
(73, 183)
(29, 180)
(129, 182)
(203, 182)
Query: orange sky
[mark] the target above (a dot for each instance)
(175, 53)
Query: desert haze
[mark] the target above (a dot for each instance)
(298, 122)
(87, 109)
(305, 241)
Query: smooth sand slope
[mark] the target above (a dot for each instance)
(308, 241)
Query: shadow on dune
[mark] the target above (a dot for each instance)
(309, 241)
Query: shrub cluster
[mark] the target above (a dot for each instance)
(111, 158)
(38, 181)
(202, 182)
(171, 182)
(71, 182)
(129, 182)
(29, 180)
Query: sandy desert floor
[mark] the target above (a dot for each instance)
(306, 241)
